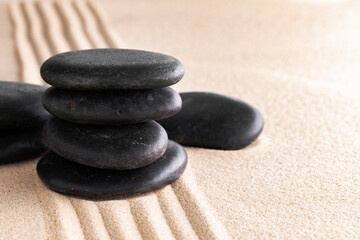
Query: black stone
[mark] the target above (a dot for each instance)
(82, 181)
(21, 144)
(20, 105)
(113, 147)
(112, 107)
(111, 69)
(215, 121)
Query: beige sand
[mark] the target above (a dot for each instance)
(298, 63)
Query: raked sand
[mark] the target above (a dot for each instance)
(297, 62)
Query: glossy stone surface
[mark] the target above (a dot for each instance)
(113, 147)
(21, 144)
(112, 107)
(20, 105)
(111, 68)
(71, 178)
(215, 121)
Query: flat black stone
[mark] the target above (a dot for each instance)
(112, 147)
(215, 121)
(78, 180)
(20, 105)
(21, 144)
(112, 107)
(111, 69)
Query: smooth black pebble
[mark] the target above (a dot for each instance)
(21, 144)
(111, 68)
(113, 147)
(215, 121)
(20, 105)
(112, 107)
(74, 179)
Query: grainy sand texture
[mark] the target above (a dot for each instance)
(297, 62)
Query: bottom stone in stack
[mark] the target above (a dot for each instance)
(67, 177)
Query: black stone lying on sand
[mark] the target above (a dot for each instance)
(71, 178)
(112, 107)
(112, 147)
(98, 69)
(21, 144)
(20, 105)
(215, 121)
(21, 119)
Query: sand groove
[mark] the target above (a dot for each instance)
(114, 214)
(149, 218)
(175, 215)
(197, 208)
(62, 221)
(111, 37)
(53, 25)
(36, 34)
(27, 59)
(89, 22)
(91, 220)
(178, 212)
(73, 29)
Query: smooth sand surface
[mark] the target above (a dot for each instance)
(298, 63)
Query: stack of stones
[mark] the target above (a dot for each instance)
(103, 139)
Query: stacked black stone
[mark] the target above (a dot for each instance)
(103, 138)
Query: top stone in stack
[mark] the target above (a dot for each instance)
(101, 69)
(109, 99)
